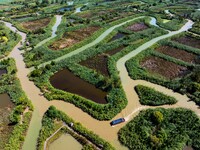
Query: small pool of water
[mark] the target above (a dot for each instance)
(67, 81)
(2, 71)
(65, 142)
(117, 36)
(65, 9)
(5, 101)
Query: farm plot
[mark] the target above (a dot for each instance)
(158, 66)
(36, 24)
(178, 53)
(6, 129)
(99, 62)
(187, 40)
(73, 37)
(137, 27)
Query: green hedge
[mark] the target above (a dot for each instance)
(48, 128)
(149, 96)
(13, 39)
(11, 85)
(162, 129)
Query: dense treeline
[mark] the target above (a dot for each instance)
(10, 84)
(162, 129)
(48, 128)
(149, 96)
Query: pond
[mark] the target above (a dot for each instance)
(117, 36)
(69, 8)
(65, 142)
(2, 71)
(67, 81)
(5, 101)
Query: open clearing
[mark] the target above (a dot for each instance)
(99, 62)
(186, 40)
(137, 27)
(36, 24)
(178, 53)
(73, 37)
(162, 67)
(6, 107)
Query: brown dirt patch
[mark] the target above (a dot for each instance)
(98, 63)
(137, 27)
(72, 38)
(162, 67)
(36, 24)
(178, 53)
(186, 40)
(115, 50)
(5, 128)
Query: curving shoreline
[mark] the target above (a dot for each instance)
(102, 128)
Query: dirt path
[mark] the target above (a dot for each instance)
(102, 128)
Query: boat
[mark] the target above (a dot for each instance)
(117, 121)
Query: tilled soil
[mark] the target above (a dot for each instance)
(186, 40)
(137, 27)
(178, 53)
(36, 24)
(162, 67)
(72, 38)
(98, 63)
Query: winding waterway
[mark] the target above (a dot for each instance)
(102, 128)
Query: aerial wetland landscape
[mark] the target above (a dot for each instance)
(100, 74)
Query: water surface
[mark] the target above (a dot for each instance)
(67, 81)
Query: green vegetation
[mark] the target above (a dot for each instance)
(49, 127)
(116, 98)
(149, 96)
(8, 40)
(11, 85)
(162, 129)
(187, 84)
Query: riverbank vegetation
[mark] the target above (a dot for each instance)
(15, 128)
(115, 98)
(8, 39)
(149, 96)
(50, 125)
(162, 129)
(153, 65)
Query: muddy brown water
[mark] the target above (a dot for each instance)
(67, 81)
(5, 101)
(2, 71)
